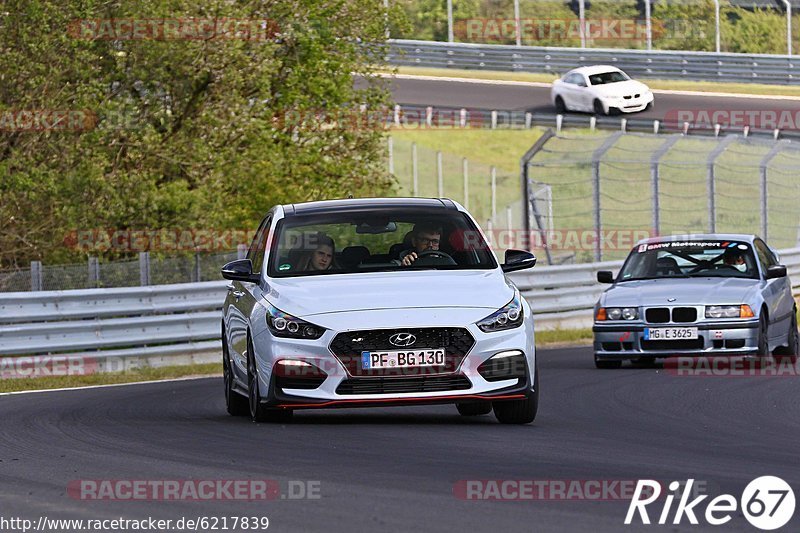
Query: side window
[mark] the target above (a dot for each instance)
(259, 245)
(765, 256)
(572, 79)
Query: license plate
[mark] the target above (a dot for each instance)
(402, 359)
(669, 334)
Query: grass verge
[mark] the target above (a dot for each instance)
(671, 85)
(545, 338)
(128, 376)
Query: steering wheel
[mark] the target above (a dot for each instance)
(433, 257)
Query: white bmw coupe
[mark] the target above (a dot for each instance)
(600, 89)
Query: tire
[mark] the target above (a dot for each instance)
(788, 353)
(235, 403)
(258, 412)
(599, 109)
(650, 106)
(519, 411)
(763, 354)
(607, 364)
(561, 107)
(474, 408)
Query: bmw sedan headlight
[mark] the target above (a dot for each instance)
(729, 311)
(507, 317)
(285, 325)
(617, 313)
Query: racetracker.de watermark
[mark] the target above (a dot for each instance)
(552, 489)
(735, 119)
(173, 29)
(32, 120)
(193, 489)
(731, 367)
(552, 29)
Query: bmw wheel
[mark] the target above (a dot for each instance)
(474, 408)
(788, 353)
(560, 105)
(599, 109)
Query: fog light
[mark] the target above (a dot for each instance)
(504, 365)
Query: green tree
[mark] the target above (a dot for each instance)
(189, 132)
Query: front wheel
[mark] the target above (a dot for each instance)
(599, 109)
(763, 354)
(788, 353)
(561, 108)
(519, 411)
(235, 403)
(258, 412)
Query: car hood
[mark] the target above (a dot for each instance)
(692, 291)
(622, 88)
(314, 295)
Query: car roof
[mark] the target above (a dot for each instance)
(744, 237)
(366, 204)
(594, 69)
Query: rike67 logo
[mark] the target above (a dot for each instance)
(767, 503)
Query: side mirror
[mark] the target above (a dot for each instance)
(518, 260)
(605, 276)
(240, 270)
(776, 271)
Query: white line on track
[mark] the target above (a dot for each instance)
(187, 378)
(547, 85)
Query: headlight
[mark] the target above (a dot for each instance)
(729, 311)
(617, 313)
(285, 325)
(507, 317)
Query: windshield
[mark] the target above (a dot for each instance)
(690, 259)
(607, 77)
(379, 240)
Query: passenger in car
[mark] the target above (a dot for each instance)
(425, 236)
(735, 258)
(321, 257)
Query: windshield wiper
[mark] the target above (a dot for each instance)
(654, 277)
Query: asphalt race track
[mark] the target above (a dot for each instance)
(537, 99)
(394, 469)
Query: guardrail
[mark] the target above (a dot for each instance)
(698, 66)
(180, 324)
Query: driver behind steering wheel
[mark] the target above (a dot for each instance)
(425, 236)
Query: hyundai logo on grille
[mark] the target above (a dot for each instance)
(402, 339)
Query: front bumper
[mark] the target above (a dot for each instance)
(618, 341)
(632, 105)
(471, 385)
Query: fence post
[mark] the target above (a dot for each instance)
(439, 176)
(465, 171)
(517, 28)
(494, 192)
(648, 24)
(654, 175)
(144, 268)
(764, 190)
(36, 275)
(582, 19)
(449, 20)
(94, 272)
(196, 274)
(712, 181)
(414, 169)
(596, 157)
(716, 23)
(391, 155)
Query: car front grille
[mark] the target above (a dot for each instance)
(661, 315)
(348, 346)
(398, 385)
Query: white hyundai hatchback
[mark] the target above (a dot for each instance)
(376, 302)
